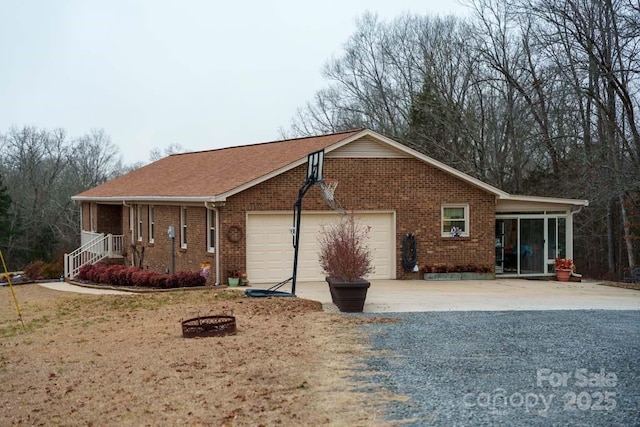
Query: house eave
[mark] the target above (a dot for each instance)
(149, 199)
(548, 200)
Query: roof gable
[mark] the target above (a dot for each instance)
(367, 147)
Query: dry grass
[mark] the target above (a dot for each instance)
(122, 360)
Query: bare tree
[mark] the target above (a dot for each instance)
(156, 153)
(533, 96)
(42, 169)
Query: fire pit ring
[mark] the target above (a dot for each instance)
(216, 325)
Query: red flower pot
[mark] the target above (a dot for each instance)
(562, 274)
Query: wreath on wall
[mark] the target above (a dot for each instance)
(234, 234)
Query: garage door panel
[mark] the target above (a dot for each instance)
(270, 245)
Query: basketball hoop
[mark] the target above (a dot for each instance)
(328, 187)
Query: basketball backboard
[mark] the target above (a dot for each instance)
(315, 162)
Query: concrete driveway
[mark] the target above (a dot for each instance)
(401, 296)
(388, 296)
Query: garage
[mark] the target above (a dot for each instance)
(270, 245)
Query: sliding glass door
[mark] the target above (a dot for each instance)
(528, 244)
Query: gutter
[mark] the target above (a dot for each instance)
(154, 199)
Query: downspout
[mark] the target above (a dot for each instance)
(215, 209)
(124, 203)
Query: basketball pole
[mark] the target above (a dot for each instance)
(297, 211)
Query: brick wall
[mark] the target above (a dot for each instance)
(413, 189)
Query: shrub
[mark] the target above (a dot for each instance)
(439, 268)
(461, 268)
(95, 274)
(111, 275)
(343, 250)
(40, 270)
(157, 280)
(140, 279)
(83, 273)
(53, 270)
(188, 279)
(121, 275)
(34, 270)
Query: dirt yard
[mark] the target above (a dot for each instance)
(122, 360)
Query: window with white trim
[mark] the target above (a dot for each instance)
(211, 230)
(455, 221)
(152, 224)
(183, 227)
(132, 220)
(139, 218)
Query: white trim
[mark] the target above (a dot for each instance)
(160, 199)
(447, 233)
(183, 227)
(211, 248)
(151, 222)
(139, 225)
(548, 200)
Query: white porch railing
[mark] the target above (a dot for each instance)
(87, 236)
(92, 250)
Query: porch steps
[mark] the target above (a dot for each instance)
(98, 248)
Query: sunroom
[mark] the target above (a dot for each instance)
(531, 232)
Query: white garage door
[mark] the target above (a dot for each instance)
(270, 245)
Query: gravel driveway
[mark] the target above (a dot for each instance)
(578, 367)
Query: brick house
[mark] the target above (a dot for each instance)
(232, 208)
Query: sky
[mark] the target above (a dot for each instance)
(204, 74)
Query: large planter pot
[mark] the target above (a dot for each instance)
(233, 281)
(562, 274)
(348, 296)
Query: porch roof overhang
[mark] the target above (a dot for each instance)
(516, 203)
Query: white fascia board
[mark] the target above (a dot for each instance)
(148, 199)
(550, 200)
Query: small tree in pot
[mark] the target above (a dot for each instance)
(346, 260)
